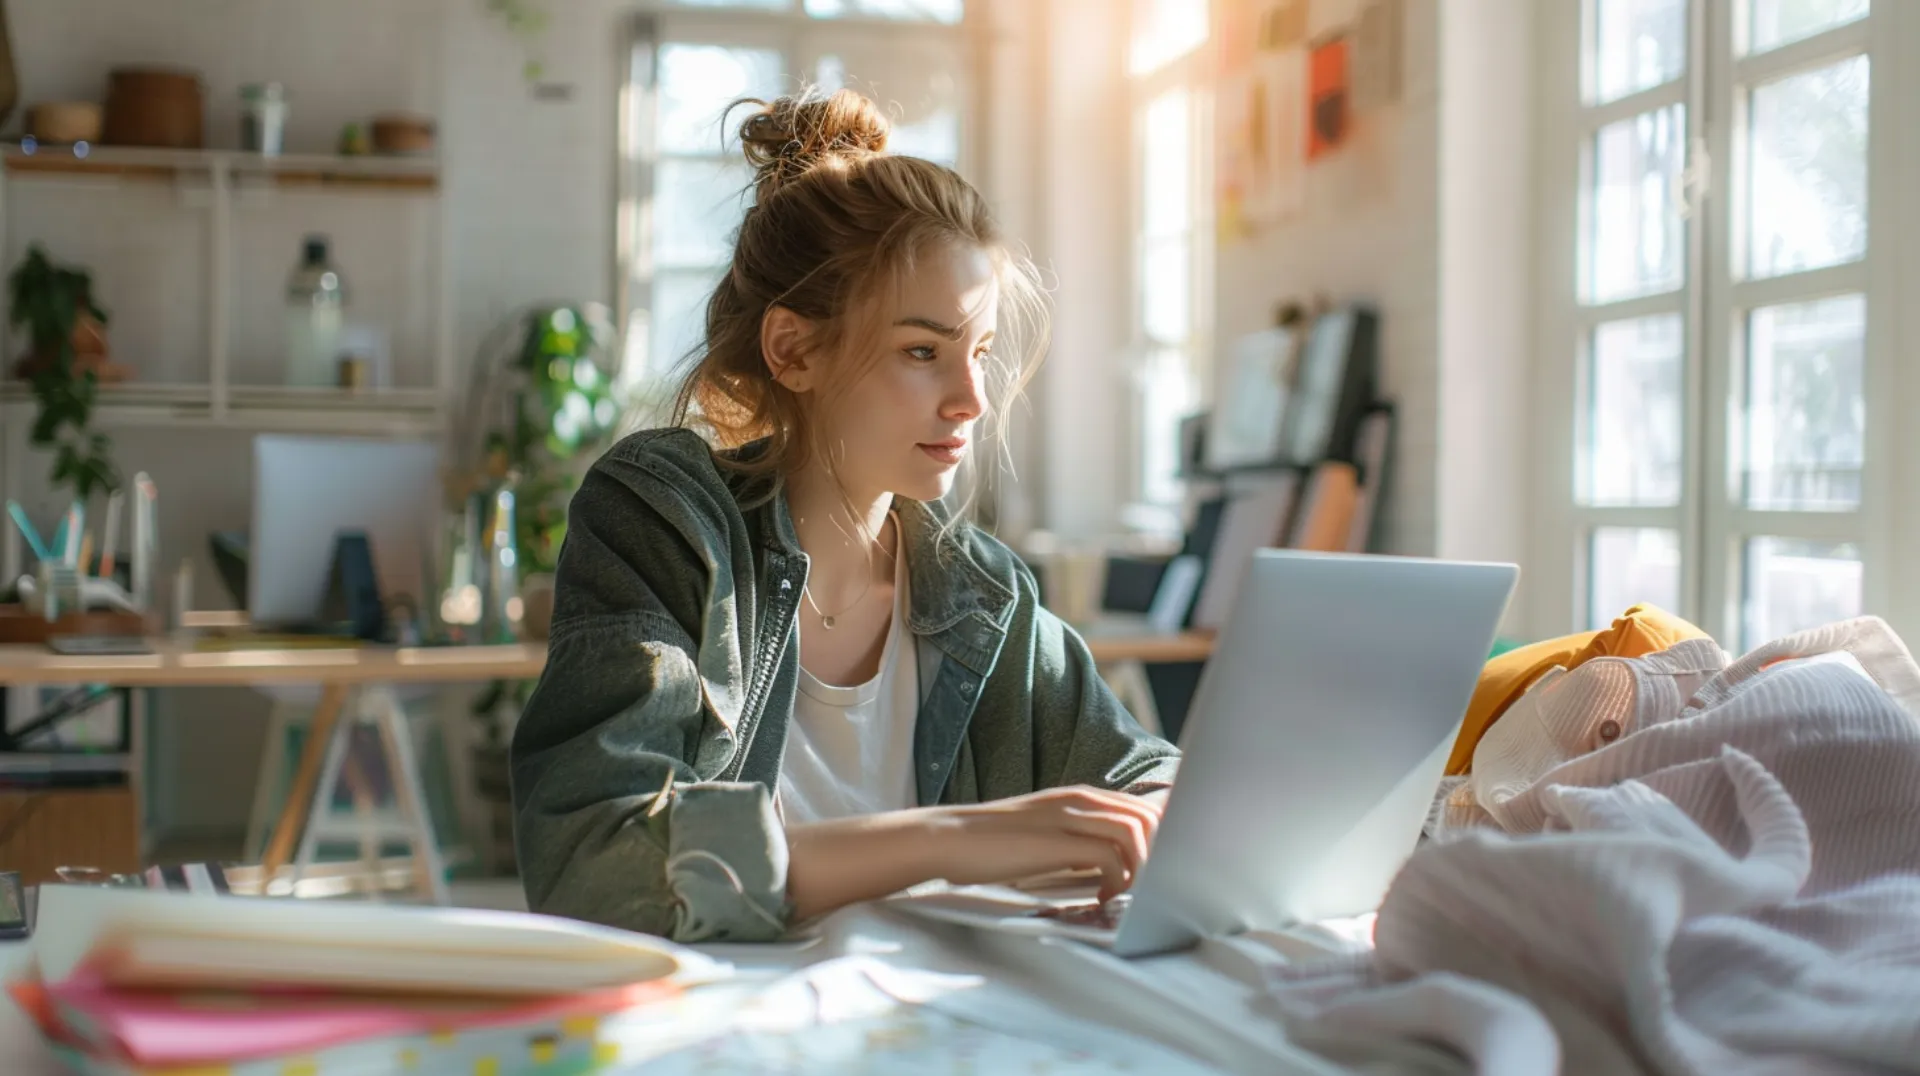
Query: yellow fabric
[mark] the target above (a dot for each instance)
(1641, 630)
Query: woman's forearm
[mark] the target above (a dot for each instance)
(833, 864)
(846, 861)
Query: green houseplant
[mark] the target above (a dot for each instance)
(66, 355)
(541, 409)
(527, 20)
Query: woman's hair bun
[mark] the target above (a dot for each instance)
(785, 137)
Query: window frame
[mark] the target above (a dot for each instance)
(1716, 298)
(800, 39)
(1189, 71)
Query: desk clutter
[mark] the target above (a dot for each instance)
(79, 588)
(131, 980)
(128, 981)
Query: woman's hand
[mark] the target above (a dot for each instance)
(834, 864)
(1079, 828)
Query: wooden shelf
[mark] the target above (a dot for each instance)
(374, 172)
(261, 409)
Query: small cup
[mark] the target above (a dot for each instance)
(263, 118)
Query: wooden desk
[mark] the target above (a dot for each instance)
(338, 672)
(173, 665)
(1149, 647)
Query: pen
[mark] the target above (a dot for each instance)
(74, 530)
(110, 536)
(144, 540)
(19, 514)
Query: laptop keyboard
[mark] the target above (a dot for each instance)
(1090, 914)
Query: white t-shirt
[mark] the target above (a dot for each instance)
(850, 749)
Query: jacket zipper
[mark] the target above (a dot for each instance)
(762, 678)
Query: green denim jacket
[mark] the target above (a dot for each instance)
(643, 765)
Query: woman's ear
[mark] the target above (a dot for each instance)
(784, 336)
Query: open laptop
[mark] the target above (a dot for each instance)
(1315, 746)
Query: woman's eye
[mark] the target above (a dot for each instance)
(925, 352)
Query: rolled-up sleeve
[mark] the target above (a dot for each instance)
(611, 821)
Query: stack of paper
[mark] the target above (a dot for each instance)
(143, 982)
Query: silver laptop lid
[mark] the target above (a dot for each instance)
(1316, 742)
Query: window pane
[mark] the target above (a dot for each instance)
(1166, 146)
(1166, 396)
(930, 130)
(679, 317)
(1772, 23)
(1630, 565)
(1806, 405)
(1165, 279)
(936, 138)
(698, 82)
(696, 206)
(1635, 233)
(1794, 585)
(1164, 30)
(1637, 45)
(947, 11)
(1807, 202)
(1633, 451)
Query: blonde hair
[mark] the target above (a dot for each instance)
(835, 216)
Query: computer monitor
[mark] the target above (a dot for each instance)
(308, 491)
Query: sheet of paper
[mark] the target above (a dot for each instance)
(858, 1013)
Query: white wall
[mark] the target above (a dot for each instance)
(1484, 419)
(1428, 216)
(1368, 231)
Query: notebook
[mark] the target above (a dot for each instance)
(143, 938)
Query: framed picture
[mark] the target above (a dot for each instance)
(1245, 431)
(1333, 386)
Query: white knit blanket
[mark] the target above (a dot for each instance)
(1728, 883)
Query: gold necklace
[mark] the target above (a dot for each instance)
(827, 621)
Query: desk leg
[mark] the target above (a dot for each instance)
(428, 875)
(296, 812)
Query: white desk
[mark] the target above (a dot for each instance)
(1184, 1003)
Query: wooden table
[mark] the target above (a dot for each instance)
(337, 670)
(1148, 647)
(176, 665)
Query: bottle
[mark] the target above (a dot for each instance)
(316, 316)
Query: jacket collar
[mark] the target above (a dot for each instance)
(955, 603)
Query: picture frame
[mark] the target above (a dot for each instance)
(1333, 386)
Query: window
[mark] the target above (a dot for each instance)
(1171, 145)
(685, 185)
(1725, 247)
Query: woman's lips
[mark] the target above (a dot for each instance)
(947, 452)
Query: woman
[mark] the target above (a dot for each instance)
(692, 763)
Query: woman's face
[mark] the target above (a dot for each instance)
(905, 422)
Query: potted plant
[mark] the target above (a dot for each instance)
(65, 363)
(544, 406)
